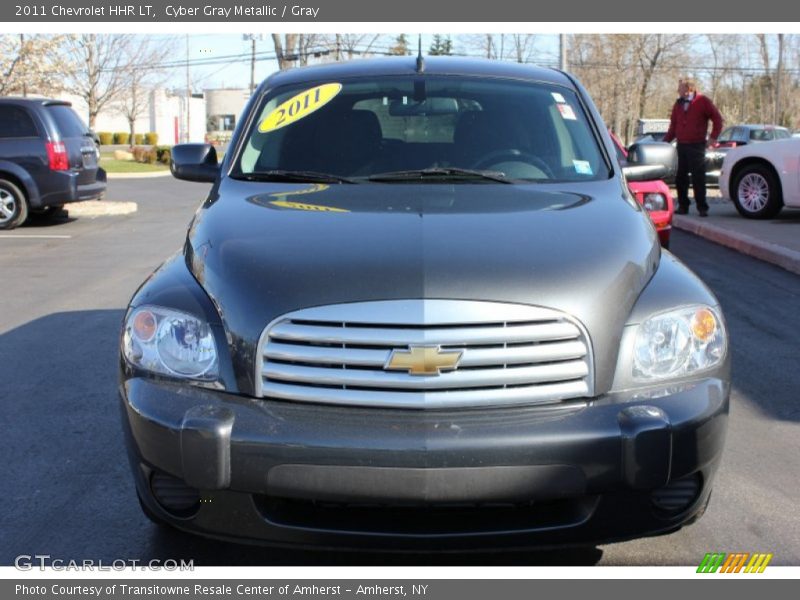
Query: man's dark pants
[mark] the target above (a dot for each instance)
(691, 159)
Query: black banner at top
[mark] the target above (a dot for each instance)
(450, 11)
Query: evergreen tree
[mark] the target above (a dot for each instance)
(441, 46)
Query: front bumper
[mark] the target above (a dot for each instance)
(331, 476)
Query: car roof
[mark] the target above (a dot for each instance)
(33, 101)
(407, 65)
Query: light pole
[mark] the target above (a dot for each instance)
(252, 38)
(188, 93)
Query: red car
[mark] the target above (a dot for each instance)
(654, 195)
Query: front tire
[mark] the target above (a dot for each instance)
(756, 192)
(13, 205)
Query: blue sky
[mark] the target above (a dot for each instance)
(216, 60)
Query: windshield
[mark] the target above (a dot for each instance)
(451, 128)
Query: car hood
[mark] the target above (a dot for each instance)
(285, 247)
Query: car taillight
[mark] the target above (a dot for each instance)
(57, 156)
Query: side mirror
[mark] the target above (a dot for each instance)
(194, 162)
(651, 154)
(644, 172)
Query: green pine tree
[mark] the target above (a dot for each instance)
(441, 46)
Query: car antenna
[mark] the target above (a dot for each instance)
(420, 60)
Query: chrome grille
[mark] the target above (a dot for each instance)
(511, 354)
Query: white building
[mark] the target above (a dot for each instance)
(223, 108)
(164, 113)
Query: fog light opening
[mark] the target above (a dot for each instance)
(678, 495)
(174, 496)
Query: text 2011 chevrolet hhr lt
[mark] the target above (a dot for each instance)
(420, 308)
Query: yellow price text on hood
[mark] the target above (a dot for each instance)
(299, 106)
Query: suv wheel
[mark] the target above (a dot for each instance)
(757, 193)
(13, 206)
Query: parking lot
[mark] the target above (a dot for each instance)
(67, 486)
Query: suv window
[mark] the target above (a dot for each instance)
(760, 135)
(16, 122)
(526, 130)
(740, 135)
(69, 124)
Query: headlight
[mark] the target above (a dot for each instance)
(654, 201)
(678, 343)
(170, 342)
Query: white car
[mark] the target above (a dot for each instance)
(761, 179)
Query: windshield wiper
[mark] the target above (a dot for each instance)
(301, 176)
(440, 173)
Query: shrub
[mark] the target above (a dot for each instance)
(121, 137)
(151, 138)
(106, 138)
(164, 154)
(139, 153)
(143, 154)
(138, 139)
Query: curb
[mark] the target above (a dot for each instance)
(138, 175)
(771, 253)
(101, 208)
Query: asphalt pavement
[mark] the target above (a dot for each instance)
(66, 483)
(776, 241)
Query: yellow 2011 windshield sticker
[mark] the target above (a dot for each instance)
(299, 106)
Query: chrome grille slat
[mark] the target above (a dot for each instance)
(473, 357)
(473, 336)
(511, 354)
(326, 355)
(564, 371)
(537, 394)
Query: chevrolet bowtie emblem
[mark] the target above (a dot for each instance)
(423, 360)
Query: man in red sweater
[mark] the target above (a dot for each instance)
(689, 125)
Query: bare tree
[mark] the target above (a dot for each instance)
(355, 43)
(30, 64)
(767, 84)
(309, 45)
(777, 117)
(285, 49)
(523, 46)
(99, 69)
(653, 51)
(606, 64)
(142, 75)
(486, 45)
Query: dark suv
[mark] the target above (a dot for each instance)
(47, 159)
